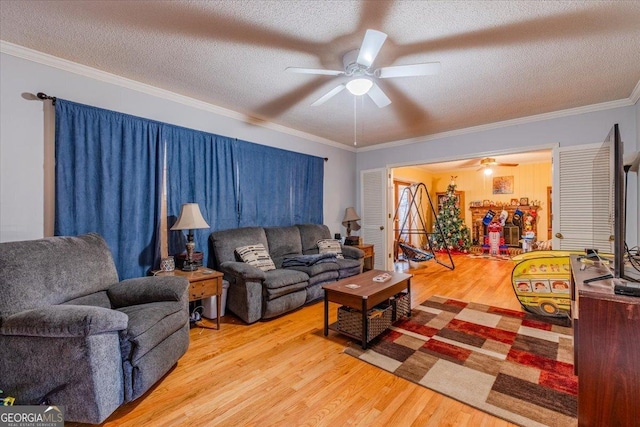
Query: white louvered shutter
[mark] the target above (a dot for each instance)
(582, 204)
(374, 201)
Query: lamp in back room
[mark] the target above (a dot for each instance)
(349, 220)
(190, 219)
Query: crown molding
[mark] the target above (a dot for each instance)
(512, 122)
(93, 73)
(635, 94)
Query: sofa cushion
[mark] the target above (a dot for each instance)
(280, 282)
(225, 242)
(283, 241)
(149, 325)
(324, 277)
(310, 234)
(315, 269)
(284, 277)
(349, 267)
(74, 266)
(257, 256)
(330, 246)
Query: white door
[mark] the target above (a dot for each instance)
(582, 204)
(373, 195)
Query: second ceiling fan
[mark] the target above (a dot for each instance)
(358, 65)
(486, 164)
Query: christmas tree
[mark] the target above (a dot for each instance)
(456, 234)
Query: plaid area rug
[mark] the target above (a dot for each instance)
(508, 363)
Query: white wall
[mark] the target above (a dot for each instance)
(22, 137)
(584, 128)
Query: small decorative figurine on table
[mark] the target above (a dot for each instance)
(527, 241)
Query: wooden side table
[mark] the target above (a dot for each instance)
(369, 255)
(203, 283)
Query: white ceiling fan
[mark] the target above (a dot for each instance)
(490, 161)
(486, 164)
(358, 64)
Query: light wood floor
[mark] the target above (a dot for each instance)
(284, 372)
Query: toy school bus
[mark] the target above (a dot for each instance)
(541, 281)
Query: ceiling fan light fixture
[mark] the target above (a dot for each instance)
(359, 86)
(488, 171)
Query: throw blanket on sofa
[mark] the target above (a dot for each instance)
(307, 260)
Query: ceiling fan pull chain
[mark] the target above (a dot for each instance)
(361, 108)
(355, 123)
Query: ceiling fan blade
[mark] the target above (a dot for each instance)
(373, 41)
(469, 163)
(424, 69)
(507, 164)
(314, 71)
(378, 96)
(324, 98)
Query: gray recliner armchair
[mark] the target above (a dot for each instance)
(71, 334)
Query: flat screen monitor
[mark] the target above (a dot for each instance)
(609, 191)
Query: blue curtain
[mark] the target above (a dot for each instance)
(109, 180)
(278, 187)
(199, 170)
(108, 177)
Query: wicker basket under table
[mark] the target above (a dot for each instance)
(401, 304)
(378, 320)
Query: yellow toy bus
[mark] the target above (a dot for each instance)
(541, 281)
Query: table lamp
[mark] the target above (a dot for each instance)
(190, 219)
(349, 220)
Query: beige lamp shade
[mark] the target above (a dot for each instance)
(190, 218)
(350, 218)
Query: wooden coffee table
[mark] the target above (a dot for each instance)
(366, 296)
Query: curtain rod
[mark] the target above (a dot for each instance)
(44, 97)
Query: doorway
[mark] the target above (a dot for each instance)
(529, 175)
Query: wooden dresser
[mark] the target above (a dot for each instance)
(606, 331)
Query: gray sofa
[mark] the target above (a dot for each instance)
(255, 294)
(72, 335)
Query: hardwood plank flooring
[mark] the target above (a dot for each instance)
(284, 372)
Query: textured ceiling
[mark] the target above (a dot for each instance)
(500, 60)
